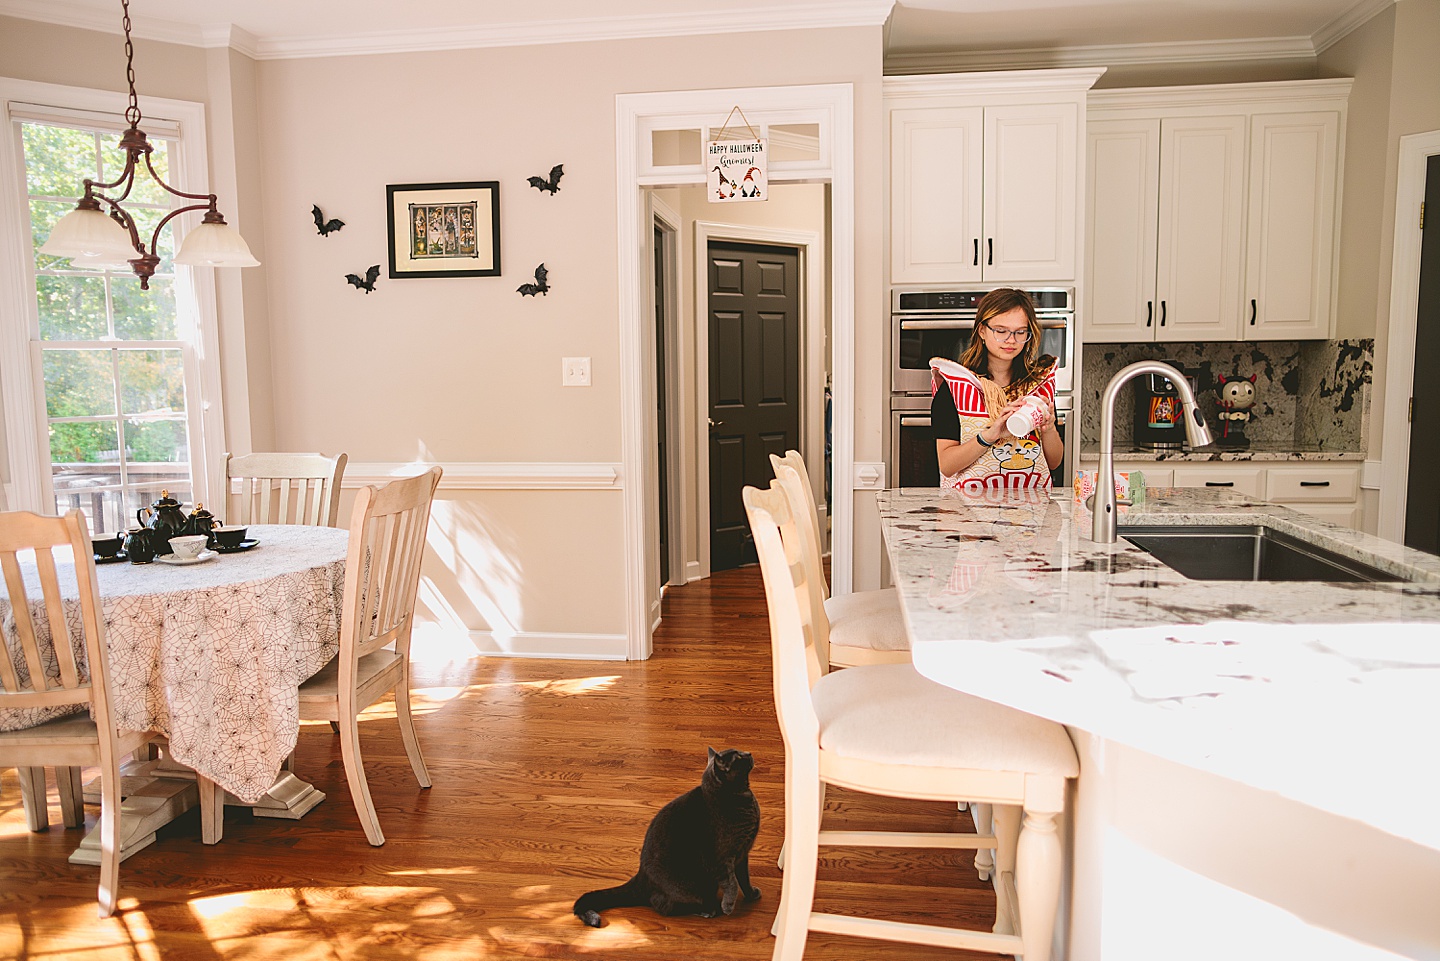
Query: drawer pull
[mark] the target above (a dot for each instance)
(1314, 483)
(1219, 483)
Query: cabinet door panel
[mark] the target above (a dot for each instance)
(1291, 225)
(1030, 193)
(935, 189)
(1201, 240)
(1123, 187)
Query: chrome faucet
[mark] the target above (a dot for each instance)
(1196, 432)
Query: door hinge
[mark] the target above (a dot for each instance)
(1422, 215)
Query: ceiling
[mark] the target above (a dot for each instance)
(983, 30)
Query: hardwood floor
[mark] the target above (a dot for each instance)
(546, 774)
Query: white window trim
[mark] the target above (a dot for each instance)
(21, 393)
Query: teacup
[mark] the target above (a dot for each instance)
(188, 547)
(228, 537)
(106, 546)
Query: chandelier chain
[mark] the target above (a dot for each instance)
(132, 112)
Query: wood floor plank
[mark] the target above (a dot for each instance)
(546, 774)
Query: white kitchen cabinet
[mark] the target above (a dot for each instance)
(1242, 479)
(984, 176)
(1211, 212)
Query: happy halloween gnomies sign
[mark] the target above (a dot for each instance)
(736, 171)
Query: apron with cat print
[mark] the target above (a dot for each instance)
(1013, 462)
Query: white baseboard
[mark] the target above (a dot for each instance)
(544, 475)
(692, 572)
(584, 647)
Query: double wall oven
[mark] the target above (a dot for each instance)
(938, 323)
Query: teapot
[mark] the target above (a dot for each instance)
(141, 544)
(203, 522)
(166, 519)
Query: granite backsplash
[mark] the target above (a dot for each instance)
(1309, 393)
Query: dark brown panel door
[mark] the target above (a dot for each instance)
(1422, 500)
(754, 382)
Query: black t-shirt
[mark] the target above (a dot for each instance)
(944, 418)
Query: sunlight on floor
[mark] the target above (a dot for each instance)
(564, 687)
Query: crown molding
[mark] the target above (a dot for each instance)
(1102, 55)
(808, 16)
(1349, 21)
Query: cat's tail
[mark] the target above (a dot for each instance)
(631, 894)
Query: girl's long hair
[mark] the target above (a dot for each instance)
(1033, 365)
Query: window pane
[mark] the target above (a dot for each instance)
(144, 314)
(148, 482)
(78, 383)
(95, 489)
(145, 220)
(57, 160)
(152, 383)
(89, 443)
(156, 442)
(71, 308)
(675, 148)
(146, 190)
(794, 141)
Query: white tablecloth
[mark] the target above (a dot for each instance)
(212, 654)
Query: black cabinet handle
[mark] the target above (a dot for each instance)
(1314, 483)
(990, 251)
(1162, 313)
(977, 251)
(1149, 312)
(1252, 311)
(1219, 483)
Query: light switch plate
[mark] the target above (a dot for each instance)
(575, 371)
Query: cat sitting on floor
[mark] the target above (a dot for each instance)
(696, 855)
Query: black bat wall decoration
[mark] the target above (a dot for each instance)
(539, 287)
(366, 283)
(322, 226)
(553, 183)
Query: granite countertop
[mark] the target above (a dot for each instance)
(1289, 452)
(1314, 691)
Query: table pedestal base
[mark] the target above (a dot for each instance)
(289, 797)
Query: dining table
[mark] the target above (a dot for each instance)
(211, 654)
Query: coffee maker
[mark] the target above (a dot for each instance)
(1157, 413)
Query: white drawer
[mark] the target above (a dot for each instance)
(1243, 480)
(1312, 485)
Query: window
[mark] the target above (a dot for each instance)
(115, 410)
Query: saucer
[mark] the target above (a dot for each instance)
(201, 558)
(244, 545)
(115, 558)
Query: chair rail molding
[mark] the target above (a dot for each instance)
(541, 475)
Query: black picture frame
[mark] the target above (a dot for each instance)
(444, 229)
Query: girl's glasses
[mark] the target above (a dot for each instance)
(1009, 336)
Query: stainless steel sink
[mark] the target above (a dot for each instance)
(1247, 553)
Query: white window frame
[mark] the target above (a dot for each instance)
(22, 391)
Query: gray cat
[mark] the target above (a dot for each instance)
(696, 855)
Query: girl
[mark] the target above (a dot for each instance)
(971, 399)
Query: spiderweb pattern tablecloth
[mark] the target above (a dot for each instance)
(212, 655)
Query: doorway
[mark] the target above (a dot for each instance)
(1422, 495)
(753, 333)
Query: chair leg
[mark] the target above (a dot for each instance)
(803, 791)
(355, 777)
(407, 732)
(783, 844)
(1006, 818)
(72, 796)
(32, 794)
(984, 857)
(109, 836)
(1037, 882)
(212, 810)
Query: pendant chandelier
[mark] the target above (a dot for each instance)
(96, 236)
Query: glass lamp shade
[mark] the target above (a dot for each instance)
(90, 235)
(215, 245)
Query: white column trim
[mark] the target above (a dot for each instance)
(1415, 151)
(546, 475)
(636, 115)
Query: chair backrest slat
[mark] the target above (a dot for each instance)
(281, 488)
(810, 515)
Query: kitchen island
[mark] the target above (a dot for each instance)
(1221, 725)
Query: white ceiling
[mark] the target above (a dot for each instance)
(1164, 29)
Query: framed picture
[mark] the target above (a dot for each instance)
(444, 230)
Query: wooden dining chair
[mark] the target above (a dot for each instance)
(278, 488)
(884, 729)
(862, 627)
(36, 673)
(382, 576)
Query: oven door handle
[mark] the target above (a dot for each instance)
(943, 323)
(918, 420)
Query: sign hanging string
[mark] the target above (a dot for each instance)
(724, 126)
